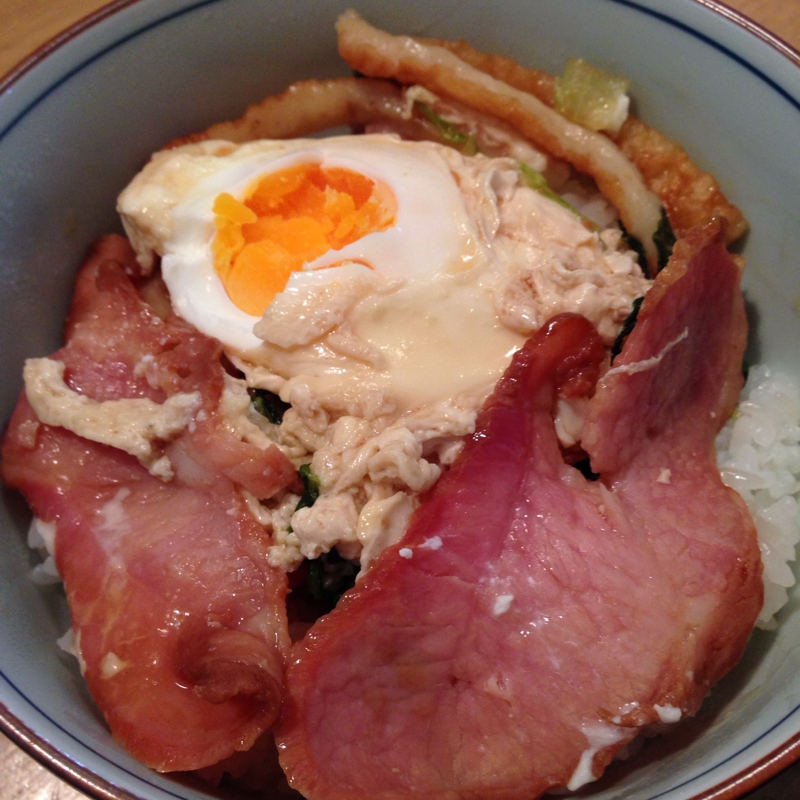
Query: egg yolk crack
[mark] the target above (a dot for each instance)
(290, 217)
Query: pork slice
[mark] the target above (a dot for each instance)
(531, 621)
(650, 433)
(118, 347)
(179, 619)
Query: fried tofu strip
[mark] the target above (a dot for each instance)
(690, 196)
(311, 106)
(379, 54)
(307, 107)
(505, 69)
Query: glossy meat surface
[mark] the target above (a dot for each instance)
(179, 618)
(531, 621)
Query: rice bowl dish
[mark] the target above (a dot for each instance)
(741, 466)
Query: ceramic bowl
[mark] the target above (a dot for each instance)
(80, 118)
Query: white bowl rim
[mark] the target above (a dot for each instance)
(95, 786)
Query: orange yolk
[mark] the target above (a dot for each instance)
(290, 217)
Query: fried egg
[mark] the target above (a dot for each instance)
(233, 223)
(243, 229)
(368, 264)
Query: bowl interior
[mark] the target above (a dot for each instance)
(77, 126)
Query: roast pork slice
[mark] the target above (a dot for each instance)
(532, 621)
(179, 620)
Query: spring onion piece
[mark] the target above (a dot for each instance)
(468, 145)
(329, 577)
(310, 489)
(536, 181)
(592, 98)
(633, 243)
(449, 132)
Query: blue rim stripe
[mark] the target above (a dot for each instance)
(96, 57)
(83, 744)
(786, 95)
(794, 102)
(628, 3)
(726, 760)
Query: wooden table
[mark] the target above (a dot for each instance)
(26, 24)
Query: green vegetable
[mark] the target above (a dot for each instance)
(449, 132)
(592, 98)
(627, 327)
(664, 240)
(269, 405)
(310, 489)
(310, 486)
(329, 577)
(536, 181)
(468, 145)
(634, 244)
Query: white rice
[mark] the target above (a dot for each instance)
(42, 538)
(759, 457)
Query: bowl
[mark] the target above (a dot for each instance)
(81, 118)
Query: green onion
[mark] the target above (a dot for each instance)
(449, 132)
(329, 577)
(468, 145)
(536, 181)
(310, 487)
(634, 244)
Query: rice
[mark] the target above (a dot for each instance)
(42, 538)
(759, 457)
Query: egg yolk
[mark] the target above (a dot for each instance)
(291, 217)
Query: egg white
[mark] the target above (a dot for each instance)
(433, 231)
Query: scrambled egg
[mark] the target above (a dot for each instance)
(378, 286)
